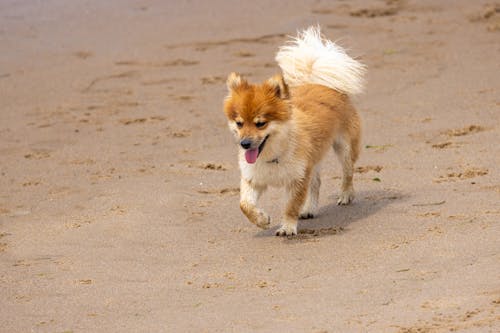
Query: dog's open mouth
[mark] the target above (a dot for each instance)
(252, 154)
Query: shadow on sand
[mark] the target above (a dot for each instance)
(333, 219)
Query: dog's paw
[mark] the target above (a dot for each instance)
(305, 216)
(287, 230)
(263, 220)
(345, 198)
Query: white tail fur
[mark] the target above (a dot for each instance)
(311, 58)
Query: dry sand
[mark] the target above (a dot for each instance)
(119, 182)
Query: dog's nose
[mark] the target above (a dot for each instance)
(246, 143)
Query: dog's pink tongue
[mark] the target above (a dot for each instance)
(251, 155)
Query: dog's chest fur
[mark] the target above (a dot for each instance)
(274, 172)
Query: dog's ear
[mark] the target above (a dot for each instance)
(278, 86)
(235, 81)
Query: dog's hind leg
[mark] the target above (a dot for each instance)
(347, 149)
(310, 208)
(249, 195)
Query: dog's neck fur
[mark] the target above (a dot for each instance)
(281, 145)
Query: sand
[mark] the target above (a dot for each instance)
(119, 179)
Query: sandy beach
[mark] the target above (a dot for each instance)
(119, 183)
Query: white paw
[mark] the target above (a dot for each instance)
(345, 198)
(287, 229)
(263, 220)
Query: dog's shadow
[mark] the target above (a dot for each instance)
(334, 219)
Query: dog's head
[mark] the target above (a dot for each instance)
(256, 112)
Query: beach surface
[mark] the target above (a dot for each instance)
(119, 181)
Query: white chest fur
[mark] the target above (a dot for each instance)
(274, 173)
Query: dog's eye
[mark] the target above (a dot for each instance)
(239, 124)
(260, 124)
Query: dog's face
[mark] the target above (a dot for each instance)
(256, 112)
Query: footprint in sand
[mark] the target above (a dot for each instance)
(212, 166)
(223, 191)
(207, 166)
(180, 134)
(169, 63)
(337, 26)
(471, 129)
(366, 168)
(83, 54)
(312, 234)
(141, 120)
(3, 245)
(183, 98)
(213, 80)
(466, 174)
(429, 214)
(244, 54)
(392, 7)
(203, 46)
(32, 183)
(490, 14)
(118, 210)
(374, 12)
(451, 133)
(442, 145)
(38, 154)
(459, 320)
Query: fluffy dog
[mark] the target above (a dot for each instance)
(286, 125)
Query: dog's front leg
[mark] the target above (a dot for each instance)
(297, 191)
(249, 195)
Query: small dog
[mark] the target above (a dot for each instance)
(285, 126)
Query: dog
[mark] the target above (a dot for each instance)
(285, 126)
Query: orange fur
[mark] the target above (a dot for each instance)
(301, 124)
(284, 132)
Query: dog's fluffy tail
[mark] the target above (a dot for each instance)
(310, 58)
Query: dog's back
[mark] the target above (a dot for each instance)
(320, 114)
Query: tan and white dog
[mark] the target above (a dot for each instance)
(286, 125)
